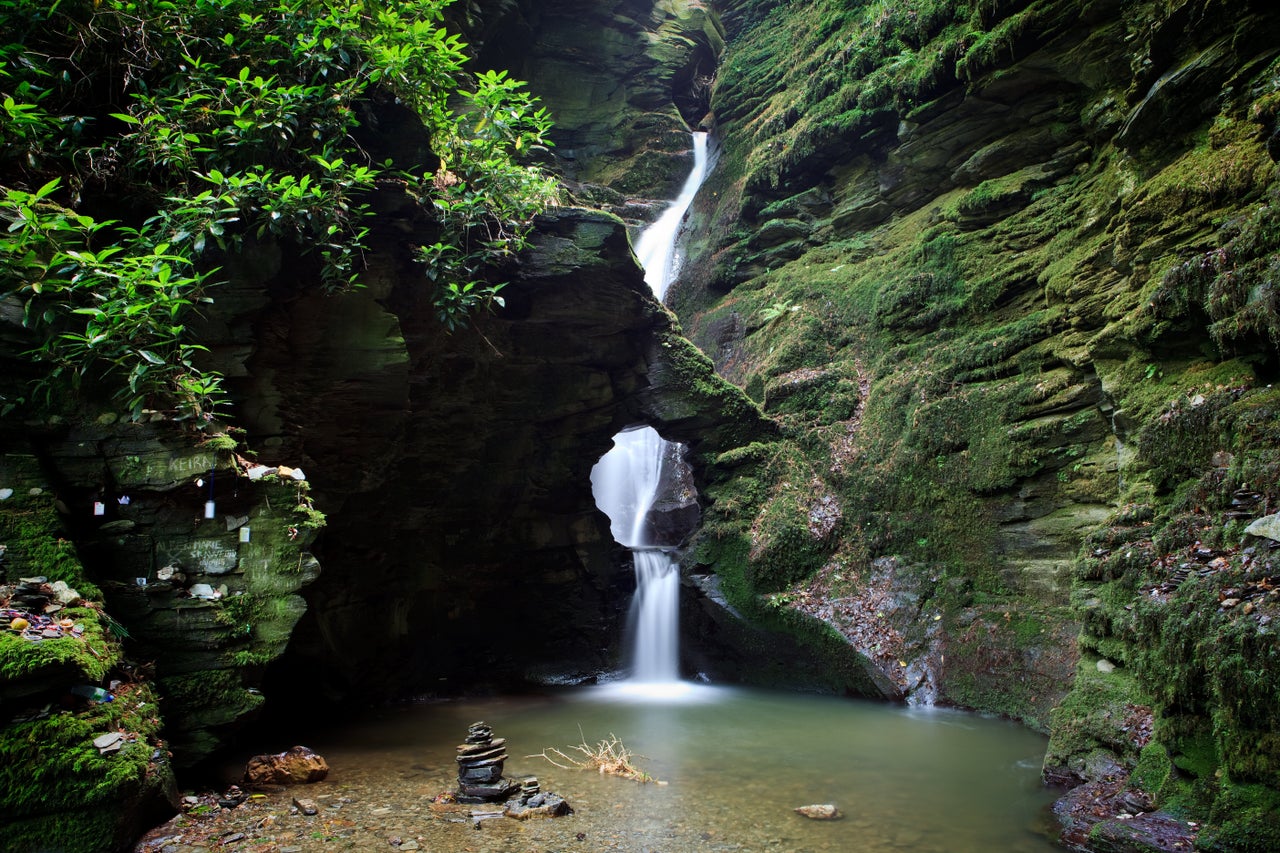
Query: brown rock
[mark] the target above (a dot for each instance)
(294, 767)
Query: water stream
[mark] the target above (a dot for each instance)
(656, 246)
(625, 481)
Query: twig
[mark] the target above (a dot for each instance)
(609, 757)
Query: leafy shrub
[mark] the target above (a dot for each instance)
(203, 124)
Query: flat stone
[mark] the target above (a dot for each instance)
(496, 756)
(475, 748)
(202, 590)
(824, 811)
(307, 807)
(104, 741)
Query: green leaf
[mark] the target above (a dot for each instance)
(48, 188)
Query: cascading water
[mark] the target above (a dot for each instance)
(656, 246)
(625, 481)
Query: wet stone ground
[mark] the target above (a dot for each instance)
(270, 822)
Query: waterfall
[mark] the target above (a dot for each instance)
(625, 481)
(656, 246)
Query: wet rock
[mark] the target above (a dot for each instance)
(480, 761)
(298, 765)
(1104, 816)
(305, 806)
(824, 811)
(546, 804)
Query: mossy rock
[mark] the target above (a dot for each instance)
(1105, 709)
(59, 794)
(33, 668)
(1245, 819)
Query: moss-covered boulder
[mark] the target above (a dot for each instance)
(58, 790)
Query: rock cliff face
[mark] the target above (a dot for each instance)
(154, 655)
(463, 546)
(625, 79)
(1003, 276)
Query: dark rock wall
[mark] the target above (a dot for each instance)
(625, 79)
(463, 547)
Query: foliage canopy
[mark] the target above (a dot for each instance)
(198, 125)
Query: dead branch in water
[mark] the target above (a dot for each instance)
(610, 757)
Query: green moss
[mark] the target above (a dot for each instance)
(204, 700)
(35, 541)
(1246, 819)
(1100, 711)
(1011, 349)
(1155, 773)
(62, 794)
(87, 658)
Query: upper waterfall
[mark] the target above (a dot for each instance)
(656, 246)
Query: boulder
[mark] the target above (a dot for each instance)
(1268, 527)
(545, 804)
(297, 766)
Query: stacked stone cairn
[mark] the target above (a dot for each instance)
(480, 762)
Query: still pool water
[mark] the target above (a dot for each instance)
(735, 763)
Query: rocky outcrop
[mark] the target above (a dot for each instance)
(998, 272)
(454, 469)
(67, 689)
(199, 564)
(624, 80)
